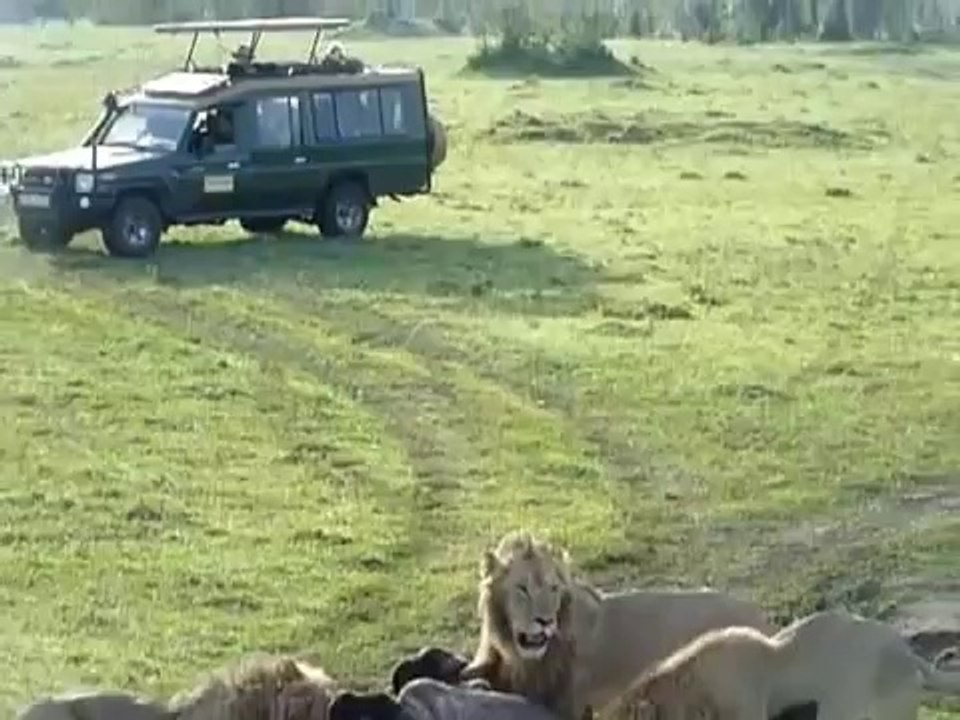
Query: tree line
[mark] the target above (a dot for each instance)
(710, 20)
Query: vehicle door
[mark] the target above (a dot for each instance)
(404, 141)
(279, 164)
(214, 180)
(345, 132)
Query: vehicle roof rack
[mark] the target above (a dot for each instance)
(256, 27)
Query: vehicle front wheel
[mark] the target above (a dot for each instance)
(42, 235)
(345, 210)
(263, 225)
(134, 230)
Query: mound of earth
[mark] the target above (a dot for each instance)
(640, 128)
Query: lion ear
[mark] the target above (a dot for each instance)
(490, 565)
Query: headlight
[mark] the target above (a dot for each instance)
(83, 183)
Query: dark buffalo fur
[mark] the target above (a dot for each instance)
(430, 662)
(445, 666)
(368, 706)
(801, 711)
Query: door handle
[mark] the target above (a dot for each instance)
(300, 160)
(233, 165)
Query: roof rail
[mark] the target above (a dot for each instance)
(286, 24)
(256, 27)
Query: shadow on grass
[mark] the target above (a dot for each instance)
(524, 273)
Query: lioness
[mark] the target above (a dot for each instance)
(563, 643)
(854, 668)
(95, 705)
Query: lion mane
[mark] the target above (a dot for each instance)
(551, 678)
(259, 687)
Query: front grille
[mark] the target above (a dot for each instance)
(44, 178)
(8, 177)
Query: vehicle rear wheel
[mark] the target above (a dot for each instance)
(263, 225)
(345, 210)
(135, 229)
(43, 235)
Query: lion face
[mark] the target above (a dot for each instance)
(530, 583)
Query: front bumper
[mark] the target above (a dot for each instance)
(71, 212)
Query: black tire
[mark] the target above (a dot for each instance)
(345, 210)
(43, 235)
(135, 229)
(265, 225)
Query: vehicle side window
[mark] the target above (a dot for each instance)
(402, 111)
(277, 121)
(215, 131)
(358, 113)
(324, 119)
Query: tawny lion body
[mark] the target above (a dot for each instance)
(95, 705)
(259, 687)
(853, 667)
(562, 643)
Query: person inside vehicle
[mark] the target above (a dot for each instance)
(215, 133)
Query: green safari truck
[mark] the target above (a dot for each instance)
(262, 143)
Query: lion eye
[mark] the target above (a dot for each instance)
(523, 590)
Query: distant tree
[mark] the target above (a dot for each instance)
(837, 23)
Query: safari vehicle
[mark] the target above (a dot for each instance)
(263, 143)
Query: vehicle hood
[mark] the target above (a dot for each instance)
(81, 158)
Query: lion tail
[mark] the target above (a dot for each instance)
(936, 679)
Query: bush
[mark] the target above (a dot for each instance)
(576, 48)
(452, 24)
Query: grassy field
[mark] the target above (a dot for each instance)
(701, 324)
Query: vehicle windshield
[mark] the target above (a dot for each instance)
(148, 126)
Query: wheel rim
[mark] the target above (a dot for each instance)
(349, 216)
(135, 231)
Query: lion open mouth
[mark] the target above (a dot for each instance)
(532, 641)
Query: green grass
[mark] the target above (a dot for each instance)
(702, 325)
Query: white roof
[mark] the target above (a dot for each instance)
(252, 25)
(184, 83)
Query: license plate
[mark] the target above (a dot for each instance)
(33, 200)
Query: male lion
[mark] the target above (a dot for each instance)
(531, 623)
(259, 687)
(563, 643)
(853, 668)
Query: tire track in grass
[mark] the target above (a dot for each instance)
(641, 529)
(468, 444)
(418, 509)
(191, 528)
(659, 537)
(452, 421)
(251, 328)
